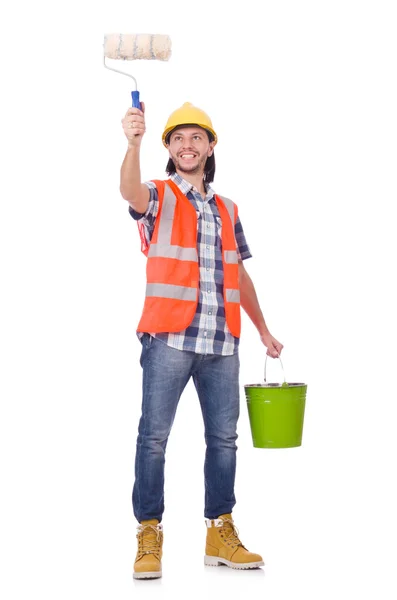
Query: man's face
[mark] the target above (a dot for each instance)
(189, 148)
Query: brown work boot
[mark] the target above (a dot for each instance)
(223, 546)
(150, 550)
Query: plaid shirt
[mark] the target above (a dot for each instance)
(208, 333)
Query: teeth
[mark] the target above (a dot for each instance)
(187, 155)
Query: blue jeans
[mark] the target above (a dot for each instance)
(166, 372)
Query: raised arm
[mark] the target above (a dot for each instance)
(131, 188)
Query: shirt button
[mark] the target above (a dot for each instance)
(205, 333)
(209, 312)
(207, 247)
(208, 268)
(208, 225)
(208, 291)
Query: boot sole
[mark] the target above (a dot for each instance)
(216, 561)
(147, 575)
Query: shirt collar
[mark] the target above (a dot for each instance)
(186, 186)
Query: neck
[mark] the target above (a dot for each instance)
(195, 179)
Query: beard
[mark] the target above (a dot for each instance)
(194, 168)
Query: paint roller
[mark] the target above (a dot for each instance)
(140, 46)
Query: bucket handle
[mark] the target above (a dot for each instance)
(281, 368)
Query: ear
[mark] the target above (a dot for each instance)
(211, 149)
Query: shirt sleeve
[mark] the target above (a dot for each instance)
(147, 220)
(243, 251)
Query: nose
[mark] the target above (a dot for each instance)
(186, 149)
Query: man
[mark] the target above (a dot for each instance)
(190, 327)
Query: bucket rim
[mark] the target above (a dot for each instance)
(274, 385)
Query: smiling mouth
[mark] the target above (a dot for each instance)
(187, 156)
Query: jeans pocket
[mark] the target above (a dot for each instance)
(146, 341)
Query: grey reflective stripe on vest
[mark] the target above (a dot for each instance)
(167, 290)
(163, 247)
(233, 296)
(231, 257)
(178, 252)
(166, 217)
(230, 207)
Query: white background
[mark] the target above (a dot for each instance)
(303, 97)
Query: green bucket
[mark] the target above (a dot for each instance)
(276, 413)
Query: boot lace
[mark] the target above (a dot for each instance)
(230, 534)
(149, 539)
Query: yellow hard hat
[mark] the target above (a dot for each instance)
(188, 114)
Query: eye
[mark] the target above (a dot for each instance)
(197, 137)
(177, 138)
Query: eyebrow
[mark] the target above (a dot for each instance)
(178, 132)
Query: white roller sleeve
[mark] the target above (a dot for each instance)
(137, 46)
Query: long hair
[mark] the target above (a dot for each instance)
(209, 167)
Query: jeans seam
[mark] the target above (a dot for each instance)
(202, 404)
(144, 427)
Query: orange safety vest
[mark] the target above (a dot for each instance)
(172, 269)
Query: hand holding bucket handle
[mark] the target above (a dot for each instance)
(281, 368)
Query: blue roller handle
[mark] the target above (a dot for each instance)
(135, 100)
